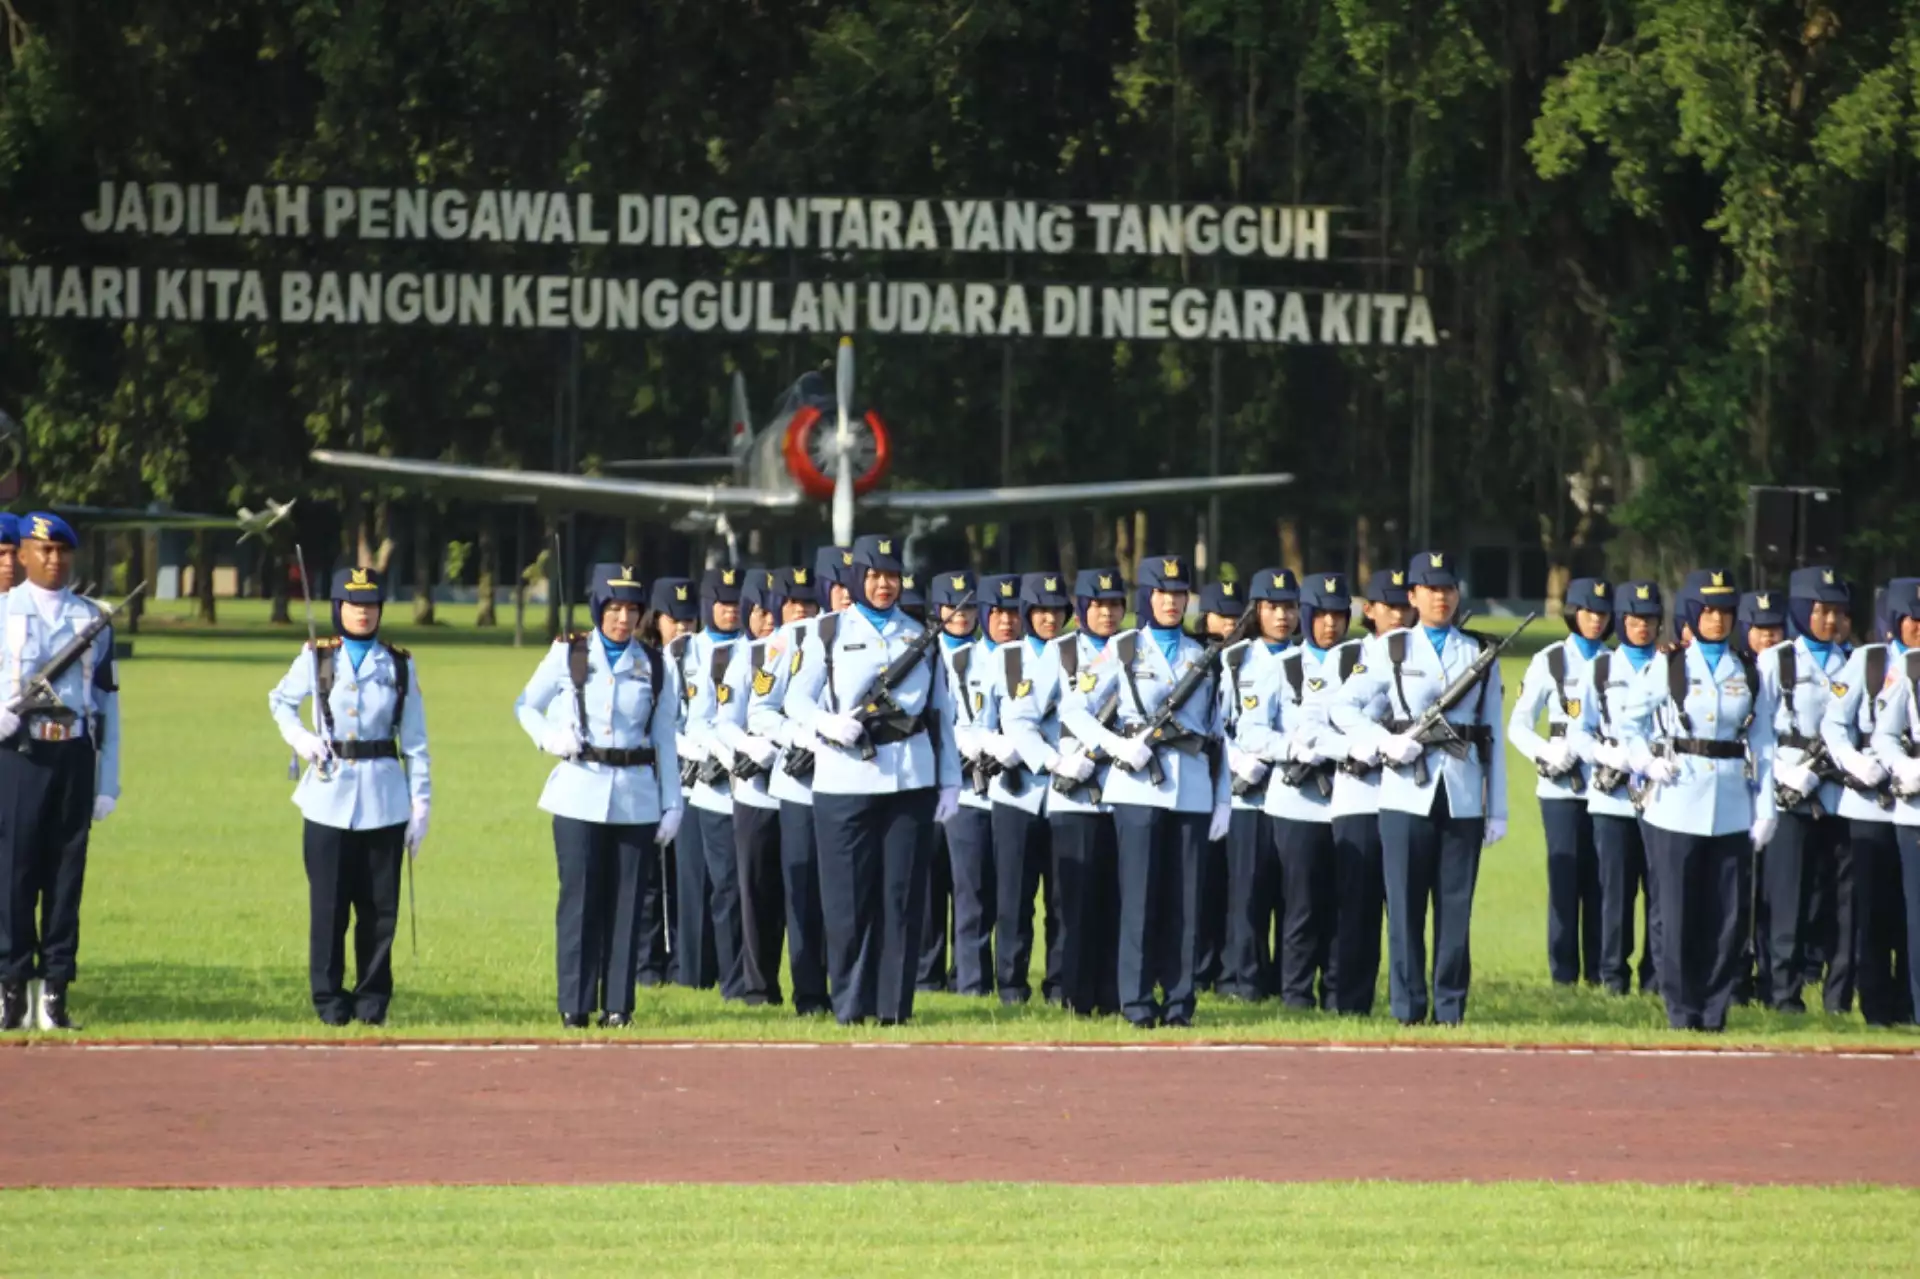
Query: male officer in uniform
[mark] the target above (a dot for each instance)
(752, 760)
(1557, 681)
(1252, 872)
(1702, 735)
(874, 817)
(1797, 678)
(767, 719)
(962, 867)
(9, 551)
(686, 956)
(1431, 834)
(1079, 825)
(1303, 756)
(1162, 828)
(363, 806)
(1612, 690)
(706, 658)
(59, 773)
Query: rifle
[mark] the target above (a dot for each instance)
(1433, 730)
(324, 769)
(1827, 769)
(37, 695)
(1105, 714)
(1578, 782)
(876, 707)
(1298, 774)
(1608, 780)
(565, 618)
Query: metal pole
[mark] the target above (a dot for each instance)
(1213, 542)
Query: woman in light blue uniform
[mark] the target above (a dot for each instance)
(1619, 847)
(873, 817)
(756, 810)
(1161, 829)
(800, 589)
(1702, 734)
(1557, 682)
(364, 809)
(1896, 746)
(604, 706)
(672, 620)
(964, 842)
(711, 803)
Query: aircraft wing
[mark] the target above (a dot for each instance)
(123, 517)
(573, 492)
(1043, 496)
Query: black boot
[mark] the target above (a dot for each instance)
(53, 1008)
(616, 1020)
(574, 1021)
(13, 1005)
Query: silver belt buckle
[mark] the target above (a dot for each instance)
(47, 730)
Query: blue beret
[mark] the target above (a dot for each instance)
(1043, 590)
(949, 588)
(1099, 584)
(796, 584)
(758, 591)
(1165, 573)
(44, 526)
(358, 586)
(1387, 586)
(879, 552)
(615, 584)
(1901, 599)
(1223, 598)
(1820, 584)
(1762, 608)
(9, 529)
(723, 585)
(1276, 584)
(1326, 593)
(1431, 568)
(1590, 593)
(1712, 587)
(1000, 590)
(1638, 599)
(673, 596)
(830, 565)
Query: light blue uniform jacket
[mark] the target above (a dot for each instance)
(621, 715)
(861, 652)
(1289, 723)
(1605, 713)
(1848, 722)
(767, 710)
(1032, 720)
(700, 729)
(750, 657)
(1242, 708)
(29, 640)
(1537, 692)
(1189, 785)
(362, 794)
(1711, 796)
(1813, 683)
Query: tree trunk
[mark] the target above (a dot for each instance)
(1559, 574)
(489, 574)
(1132, 568)
(203, 576)
(630, 542)
(1362, 553)
(423, 545)
(1290, 545)
(1069, 549)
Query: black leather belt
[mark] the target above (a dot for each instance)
(635, 757)
(366, 750)
(1474, 734)
(1556, 731)
(881, 733)
(1796, 741)
(1711, 748)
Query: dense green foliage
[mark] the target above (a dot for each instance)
(1666, 241)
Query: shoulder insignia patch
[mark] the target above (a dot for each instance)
(692, 692)
(1315, 685)
(762, 683)
(1249, 702)
(1359, 668)
(793, 667)
(723, 694)
(399, 653)
(1839, 690)
(979, 702)
(1573, 708)
(1023, 688)
(1086, 681)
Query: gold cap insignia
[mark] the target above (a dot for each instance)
(1643, 592)
(1332, 584)
(846, 559)
(1600, 588)
(42, 531)
(1106, 581)
(680, 592)
(626, 577)
(1399, 578)
(959, 581)
(358, 581)
(1826, 577)
(1226, 589)
(1763, 601)
(885, 546)
(1437, 559)
(1006, 589)
(1051, 584)
(799, 577)
(728, 577)
(1280, 581)
(1719, 579)
(1170, 567)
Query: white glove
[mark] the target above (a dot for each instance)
(1496, 831)
(1073, 766)
(760, 751)
(1134, 754)
(1907, 773)
(844, 730)
(1612, 755)
(1399, 748)
(947, 806)
(1557, 755)
(1301, 751)
(1361, 754)
(563, 742)
(417, 826)
(1865, 769)
(1763, 828)
(1222, 818)
(669, 825)
(1795, 777)
(306, 745)
(687, 748)
(1004, 750)
(1249, 768)
(10, 724)
(1662, 770)
(103, 806)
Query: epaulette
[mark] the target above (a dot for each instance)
(403, 654)
(328, 644)
(574, 637)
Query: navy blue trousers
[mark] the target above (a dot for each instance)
(1022, 861)
(353, 872)
(969, 863)
(763, 907)
(657, 921)
(1086, 901)
(1702, 882)
(1909, 841)
(1884, 955)
(694, 962)
(723, 897)
(1430, 859)
(1360, 895)
(1788, 876)
(1253, 902)
(1160, 853)
(874, 853)
(1574, 929)
(1304, 853)
(1214, 876)
(931, 974)
(806, 929)
(46, 816)
(605, 873)
(1622, 855)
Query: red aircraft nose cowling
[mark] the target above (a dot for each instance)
(808, 432)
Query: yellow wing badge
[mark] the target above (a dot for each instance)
(793, 667)
(723, 694)
(1024, 687)
(1573, 708)
(762, 683)
(1086, 681)
(1249, 702)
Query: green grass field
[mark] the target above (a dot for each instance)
(195, 914)
(914, 1229)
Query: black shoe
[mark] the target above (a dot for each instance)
(53, 1009)
(336, 1017)
(574, 1021)
(1177, 1021)
(812, 1010)
(1793, 1004)
(13, 1005)
(372, 1017)
(616, 1020)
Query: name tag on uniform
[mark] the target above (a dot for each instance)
(852, 648)
(1734, 686)
(1411, 673)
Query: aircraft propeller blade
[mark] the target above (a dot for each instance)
(843, 449)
